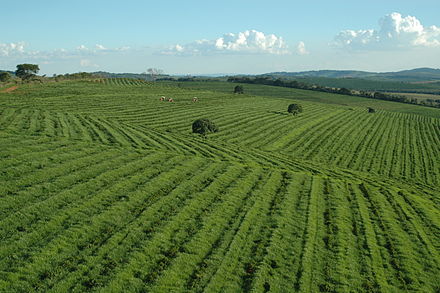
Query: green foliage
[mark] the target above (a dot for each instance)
(371, 110)
(238, 89)
(294, 109)
(26, 71)
(5, 76)
(204, 126)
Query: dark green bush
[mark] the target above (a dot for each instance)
(294, 109)
(203, 126)
(238, 89)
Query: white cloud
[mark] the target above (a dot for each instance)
(100, 47)
(14, 52)
(301, 49)
(248, 42)
(82, 48)
(87, 63)
(395, 31)
(11, 48)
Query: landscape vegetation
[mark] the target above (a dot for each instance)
(108, 187)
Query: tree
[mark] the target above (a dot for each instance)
(203, 126)
(154, 72)
(344, 91)
(5, 76)
(238, 89)
(26, 71)
(371, 110)
(295, 109)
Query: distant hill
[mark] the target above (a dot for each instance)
(11, 72)
(126, 75)
(413, 75)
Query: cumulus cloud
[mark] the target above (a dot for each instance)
(82, 48)
(301, 49)
(100, 47)
(249, 42)
(82, 53)
(87, 63)
(395, 31)
(11, 49)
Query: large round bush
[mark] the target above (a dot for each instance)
(204, 126)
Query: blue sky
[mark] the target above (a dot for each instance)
(242, 36)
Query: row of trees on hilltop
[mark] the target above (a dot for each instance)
(265, 80)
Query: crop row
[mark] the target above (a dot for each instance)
(161, 222)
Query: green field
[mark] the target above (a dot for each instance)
(105, 188)
(373, 85)
(312, 96)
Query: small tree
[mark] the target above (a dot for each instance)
(371, 110)
(5, 76)
(26, 71)
(203, 126)
(154, 72)
(238, 89)
(295, 109)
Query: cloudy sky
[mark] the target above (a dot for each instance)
(200, 37)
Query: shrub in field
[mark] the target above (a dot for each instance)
(238, 89)
(371, 110)
(294, 109)
(203, 126)
(5, 76)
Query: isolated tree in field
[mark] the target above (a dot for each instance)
(154, 72)
(204, 126)
(371, 110)
(5, 76)
(238, 89)
(294, 109)
(26, 71)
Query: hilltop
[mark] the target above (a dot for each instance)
(412, 75)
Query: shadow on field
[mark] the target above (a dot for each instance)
(278, 112)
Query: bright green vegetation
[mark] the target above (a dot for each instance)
(312, 96)
(105, 188)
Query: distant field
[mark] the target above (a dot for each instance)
(312, 96)
(420, 96)
(372, 85)
(105, 188)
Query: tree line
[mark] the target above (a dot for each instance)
(265, 80)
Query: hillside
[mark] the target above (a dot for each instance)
(412, 75)
(106, 189)
(306, 95)
(374, 85)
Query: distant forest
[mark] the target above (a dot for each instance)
(267, 80)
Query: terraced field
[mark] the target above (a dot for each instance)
(104, 188)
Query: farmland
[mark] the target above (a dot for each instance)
(105, 188)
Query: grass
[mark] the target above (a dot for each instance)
(105, 188)
(312, 96)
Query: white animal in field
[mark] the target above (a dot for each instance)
(195, 99)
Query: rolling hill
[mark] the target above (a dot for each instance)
(412, 75)
(105, 188)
